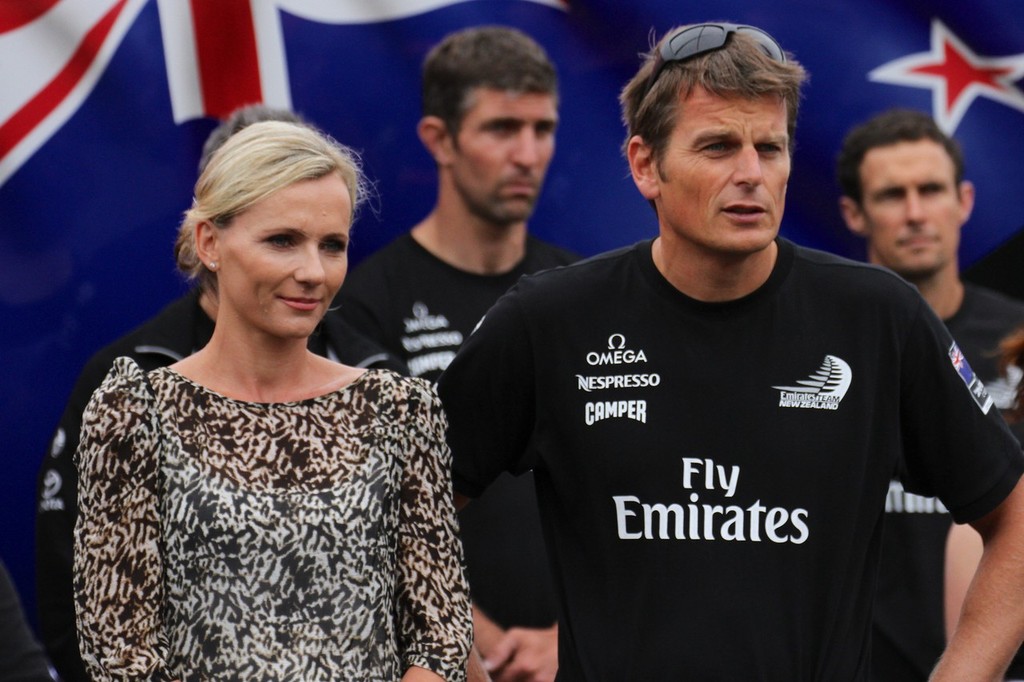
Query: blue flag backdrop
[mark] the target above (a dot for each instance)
(104, 106)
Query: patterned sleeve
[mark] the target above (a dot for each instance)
(118, 568)
(434, 614)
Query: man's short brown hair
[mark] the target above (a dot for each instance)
(494, 57)
(738, 68)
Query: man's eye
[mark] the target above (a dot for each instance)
(504, 127)
(545, 129)
(891, 195)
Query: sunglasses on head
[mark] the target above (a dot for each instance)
(691, 41)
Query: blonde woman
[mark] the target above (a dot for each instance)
(256, 511)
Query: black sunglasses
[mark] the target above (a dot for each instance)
(691, 41)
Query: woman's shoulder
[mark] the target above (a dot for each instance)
(400, 385)
(120, 412)
(125, 382)
(395, 394)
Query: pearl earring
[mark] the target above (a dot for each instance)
(213, 265)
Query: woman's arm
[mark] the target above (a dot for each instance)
(417, 674)
(475, 670)
(435, 627)
(118, 565)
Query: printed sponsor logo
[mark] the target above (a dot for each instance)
(823, 390)
(708, 521)
(899, 501)
(430, 336)
(52, 483)
(60, 439)
(422, 320)
(421, 364)
(616, 353)
(415, 344)
(594, 412)
(601, 383)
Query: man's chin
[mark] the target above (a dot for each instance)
(511, 214)
(915, 270)
(916, 276)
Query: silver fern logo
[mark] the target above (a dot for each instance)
(822, 390)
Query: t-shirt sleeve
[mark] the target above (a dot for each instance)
(956, 444)
(488, 392)
(118, 565)
(434, 613)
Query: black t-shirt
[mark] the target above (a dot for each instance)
(712, 477)
(421, 309)
(909, 631)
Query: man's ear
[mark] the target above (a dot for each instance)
(853, 214)
(435, 137)
(643, 167)
(966, 190)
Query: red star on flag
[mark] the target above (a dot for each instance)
(956, 76)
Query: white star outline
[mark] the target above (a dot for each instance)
(901, 72)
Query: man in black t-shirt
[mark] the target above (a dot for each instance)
(713, 417)
(904, 191)
(489, 116)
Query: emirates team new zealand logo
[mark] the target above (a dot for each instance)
(822, 390)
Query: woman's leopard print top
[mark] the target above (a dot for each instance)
(225, 540)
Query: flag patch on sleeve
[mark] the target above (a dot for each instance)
(973, 383)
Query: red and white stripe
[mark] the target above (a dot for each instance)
(52, 54)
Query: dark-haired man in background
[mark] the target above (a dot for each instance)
(904, 192)
(490, 109)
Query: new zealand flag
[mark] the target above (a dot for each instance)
(970, 379)
(104, 106)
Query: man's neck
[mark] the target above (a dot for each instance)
(470, 244)
(944, 293)
(713, 278)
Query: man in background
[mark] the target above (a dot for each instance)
(904, 192)
(490, 109)
(181, 328)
